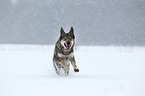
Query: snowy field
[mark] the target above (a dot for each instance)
(27, 70)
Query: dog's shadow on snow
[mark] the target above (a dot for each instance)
(70, 76)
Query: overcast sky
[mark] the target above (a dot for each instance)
(96, 22)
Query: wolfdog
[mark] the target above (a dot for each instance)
(64, 53)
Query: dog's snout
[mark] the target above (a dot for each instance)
(68, 42)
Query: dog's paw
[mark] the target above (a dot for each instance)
(76, 70)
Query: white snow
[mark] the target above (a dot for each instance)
(27, 70)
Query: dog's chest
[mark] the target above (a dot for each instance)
(65, 56)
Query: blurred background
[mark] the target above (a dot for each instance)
(96, 22)
(30, 28)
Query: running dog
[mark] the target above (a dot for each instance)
(63, 53)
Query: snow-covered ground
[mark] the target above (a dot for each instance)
(27, 70)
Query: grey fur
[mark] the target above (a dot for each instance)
(62, 56)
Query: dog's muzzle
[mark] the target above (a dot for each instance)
(67, 45)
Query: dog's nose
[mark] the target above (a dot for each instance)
(68, 42)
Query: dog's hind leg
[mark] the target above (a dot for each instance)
(56, 66)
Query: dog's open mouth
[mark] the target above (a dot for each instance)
(67, 46)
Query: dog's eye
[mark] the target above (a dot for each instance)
(65, 39)
(70, 39)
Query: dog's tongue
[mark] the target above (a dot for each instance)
(68, 46)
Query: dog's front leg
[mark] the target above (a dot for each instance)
(65, 66)
(73, 62)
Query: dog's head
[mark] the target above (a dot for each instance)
(67, 39)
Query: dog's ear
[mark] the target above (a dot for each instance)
(71, 30)
(62, 32)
